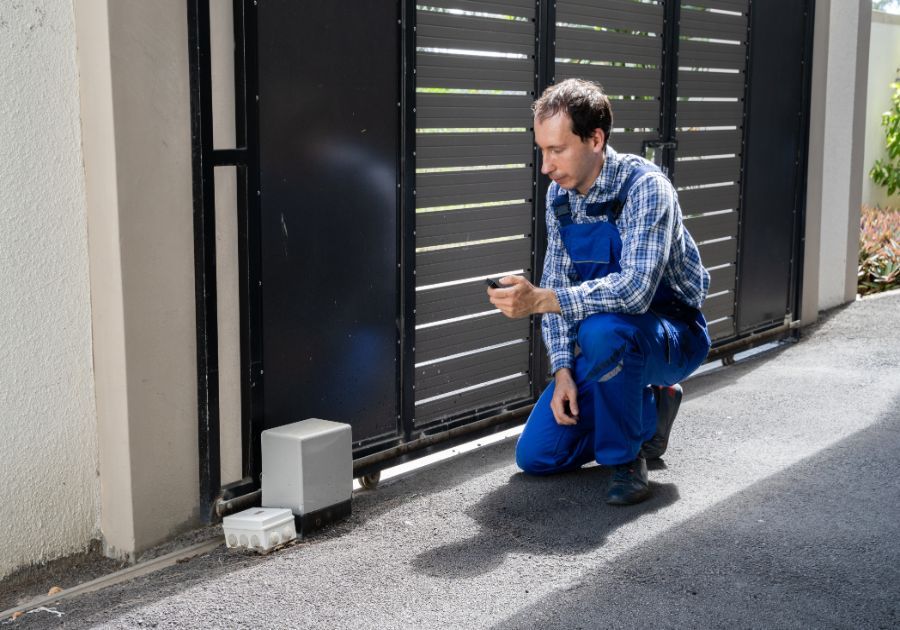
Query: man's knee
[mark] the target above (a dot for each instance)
(533, 458)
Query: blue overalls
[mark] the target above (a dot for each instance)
(621, 355)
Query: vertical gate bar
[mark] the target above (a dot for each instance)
(406, 264)
(742, 188)
(204, 255)
(668, 111)
(240, 140)
(798, 241)
(252, 328)
(545, 54)
(248, 239)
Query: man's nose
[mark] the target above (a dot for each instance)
(546, 166)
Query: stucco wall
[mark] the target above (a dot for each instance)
(49, 486)
(884, 68)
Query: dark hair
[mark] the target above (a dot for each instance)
(584, 102)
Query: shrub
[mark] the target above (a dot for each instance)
(887, 172)
(879, 250)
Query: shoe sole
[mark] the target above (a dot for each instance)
(619, 502)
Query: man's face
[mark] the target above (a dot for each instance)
(571, 162)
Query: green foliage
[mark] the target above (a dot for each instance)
(879, 250)
(887, 172)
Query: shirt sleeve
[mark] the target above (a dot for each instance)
(558, 333)
(646, 227)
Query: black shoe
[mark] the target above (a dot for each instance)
(668, 399)
(629, 483)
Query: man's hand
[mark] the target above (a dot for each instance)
(564, 403)
(522, 298)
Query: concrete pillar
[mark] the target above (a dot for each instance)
(133, 59)
(836, 143)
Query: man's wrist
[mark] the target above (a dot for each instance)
(547, 301)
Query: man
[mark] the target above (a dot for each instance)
(623, 281)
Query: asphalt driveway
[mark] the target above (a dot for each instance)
(777, 505)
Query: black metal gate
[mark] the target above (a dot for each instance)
(394, 169)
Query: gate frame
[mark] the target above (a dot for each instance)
(409, 443)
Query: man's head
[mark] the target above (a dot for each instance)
(572, 121)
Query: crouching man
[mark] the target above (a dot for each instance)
(623, 282)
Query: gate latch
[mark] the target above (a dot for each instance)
(652, 150)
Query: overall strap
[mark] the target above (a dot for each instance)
(561, 208)
(613, 207)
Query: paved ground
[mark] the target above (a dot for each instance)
(777, 506)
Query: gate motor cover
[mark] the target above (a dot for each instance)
(307, 466)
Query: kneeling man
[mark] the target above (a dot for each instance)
(623, 282)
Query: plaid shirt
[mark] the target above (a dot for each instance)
(655, 247)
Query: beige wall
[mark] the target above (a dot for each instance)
(136, 126)
(49, 487)
(884, 68)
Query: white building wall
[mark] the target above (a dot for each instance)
(49, 485)
(884, 68)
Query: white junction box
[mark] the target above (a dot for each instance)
(307, 467)
(259, 529)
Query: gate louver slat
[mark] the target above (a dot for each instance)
(629, 141)
(434, 305)
(699, 200)
(721, 329)
(617, 81)
(700, 54)
(521, 8)
(631, 114)
(700, 143)
(718, 253)
(455, 374)
(711, 84)
(710, 114)
(711, 25)
(578, 43)
(510, 391)
(471, 261)
(467, 335)
(722, 279)
(695, 172)
(444, 189)
(474, 73)
(712, 226)
(614, 14)
(721, 305)
(443, 111)
(473, 224)
(460, 32)
(436, 150)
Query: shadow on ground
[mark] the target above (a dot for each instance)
(563, 514)
(813, 546)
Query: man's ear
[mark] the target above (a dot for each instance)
(598, 139)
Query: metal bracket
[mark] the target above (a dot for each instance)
(652, 150)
